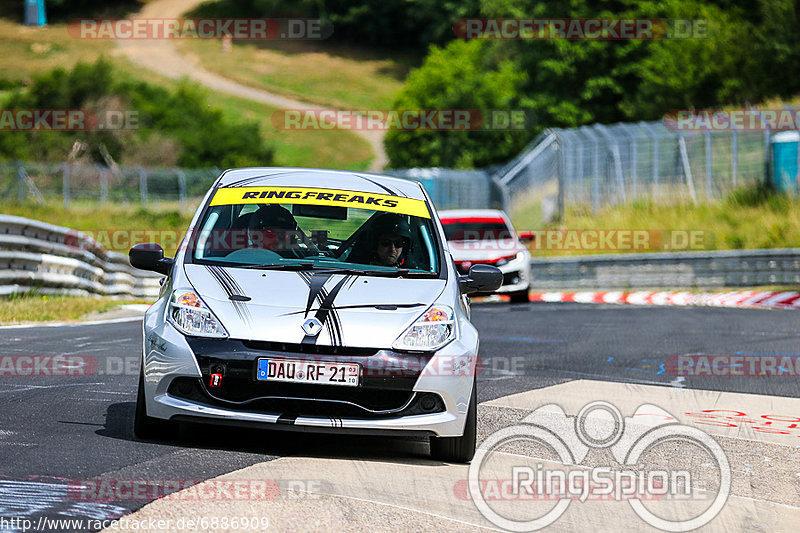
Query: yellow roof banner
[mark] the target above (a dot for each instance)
(312, 196)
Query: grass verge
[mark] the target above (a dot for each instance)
(28, 51)
(32, 307)
(324, 74)
(749, 218)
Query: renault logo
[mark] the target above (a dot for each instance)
(312, 326)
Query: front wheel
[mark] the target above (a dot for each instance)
(520, 296)
(459, 449)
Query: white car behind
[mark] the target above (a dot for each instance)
(486, 236)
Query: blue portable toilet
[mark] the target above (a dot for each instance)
(784, 168)
(34, 13)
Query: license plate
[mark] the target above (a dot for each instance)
(298, 371)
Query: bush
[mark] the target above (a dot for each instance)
(182, 117)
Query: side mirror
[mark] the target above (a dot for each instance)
(481, 278)
(526, 237)
(150, 256)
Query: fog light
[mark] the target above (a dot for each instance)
(428, 403)
(185, 387)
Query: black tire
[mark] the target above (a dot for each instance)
(520, 296)
(459, 449)
(147, 427)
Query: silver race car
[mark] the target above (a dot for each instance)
(313, 300)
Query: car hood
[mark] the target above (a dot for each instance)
(483, 251)
(355, 311)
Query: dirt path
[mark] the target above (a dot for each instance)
(161, 56)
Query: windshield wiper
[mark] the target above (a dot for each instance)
(396, 273)
(281, 266)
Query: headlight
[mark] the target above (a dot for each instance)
(190, 315)
(431, 331)
(505, 260)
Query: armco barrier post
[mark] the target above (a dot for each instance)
(708, 163)
(20, 183)
(181, 187)
(103, 185)
(65, 170)
(143, 187)
(734, 158)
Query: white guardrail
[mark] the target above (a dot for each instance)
(674, 270)
(52, 259)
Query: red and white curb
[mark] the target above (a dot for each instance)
(748, 299)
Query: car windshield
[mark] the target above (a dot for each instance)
(309, 229)
(483, 229)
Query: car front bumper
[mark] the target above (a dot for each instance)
(172, 359)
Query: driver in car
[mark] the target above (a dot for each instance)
(272, 227)
(393, 243)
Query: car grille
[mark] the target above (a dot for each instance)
(385, 389)
(289, 399)
(308, 349)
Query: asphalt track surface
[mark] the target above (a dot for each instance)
(56, 432)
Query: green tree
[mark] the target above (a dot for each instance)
(750, 53)
(403, 24)
(459, 76)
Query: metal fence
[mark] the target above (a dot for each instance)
(83, 182)
(457, 189)
(603, 165)
(449, 189)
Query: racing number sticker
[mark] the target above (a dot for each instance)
(304, 195)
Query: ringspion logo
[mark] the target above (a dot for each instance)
(523, 487)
